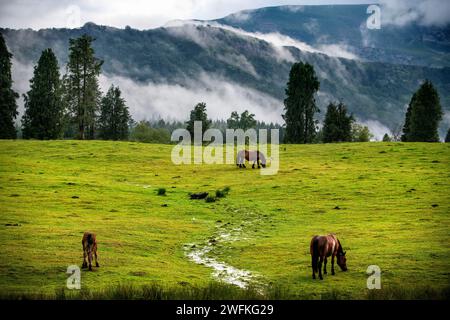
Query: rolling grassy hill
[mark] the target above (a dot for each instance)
(387, 202)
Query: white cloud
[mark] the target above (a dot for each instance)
(140, 14)
(21, 74)
(376, 128)
(423, 12)
(279, 41)
(240, 16)
(171, 101)
(292, 8)
(338, 50)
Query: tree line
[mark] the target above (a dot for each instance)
(72, 106)
(58, 106)
(421, 120)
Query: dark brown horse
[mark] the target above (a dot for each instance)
(321, 248)
(89, 243)
(255, 156)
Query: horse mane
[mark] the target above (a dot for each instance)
(340, 250)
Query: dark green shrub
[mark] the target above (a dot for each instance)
(222, 193)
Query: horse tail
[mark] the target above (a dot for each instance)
(90, 239)
(315, 253)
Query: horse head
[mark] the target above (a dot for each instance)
(342, 260)
(263, 159)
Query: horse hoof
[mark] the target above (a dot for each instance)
(321, 278)
(97, 265)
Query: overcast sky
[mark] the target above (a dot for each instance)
(145, 14)
(140, 14)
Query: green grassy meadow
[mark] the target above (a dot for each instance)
(388, 203)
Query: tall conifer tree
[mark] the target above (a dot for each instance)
(114, 116)
(8, 105)
(43, 117)
(81, 83)
(300, 105)
(423, 115)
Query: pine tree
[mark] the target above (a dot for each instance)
(198, 114)
(81, 82)
(234, 120)
(8, 105)
(247, 120)
(386, 138)
(43, 117)
(406, 127)
(337, 125)
(114, 116)
(423, 115)
(300, 105)
(244, 121)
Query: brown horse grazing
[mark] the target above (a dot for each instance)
(89, 243)
(255, 156)
(322, 247)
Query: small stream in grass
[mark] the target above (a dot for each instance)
(205, 253)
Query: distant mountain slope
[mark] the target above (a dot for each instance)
(181, 55)
(345, 25)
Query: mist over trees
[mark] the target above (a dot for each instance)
(8, 105)
(73, 106)
(67, 107)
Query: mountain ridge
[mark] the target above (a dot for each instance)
(373, 91)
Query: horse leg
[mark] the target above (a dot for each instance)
(90, 260)
(314, 266)
(320, 268)
(84, 265)
(253, 165)
(96, 258)
(259, 167)
(325, 266)
(332, 265)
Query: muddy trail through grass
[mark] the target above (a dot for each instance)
(212, 251)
